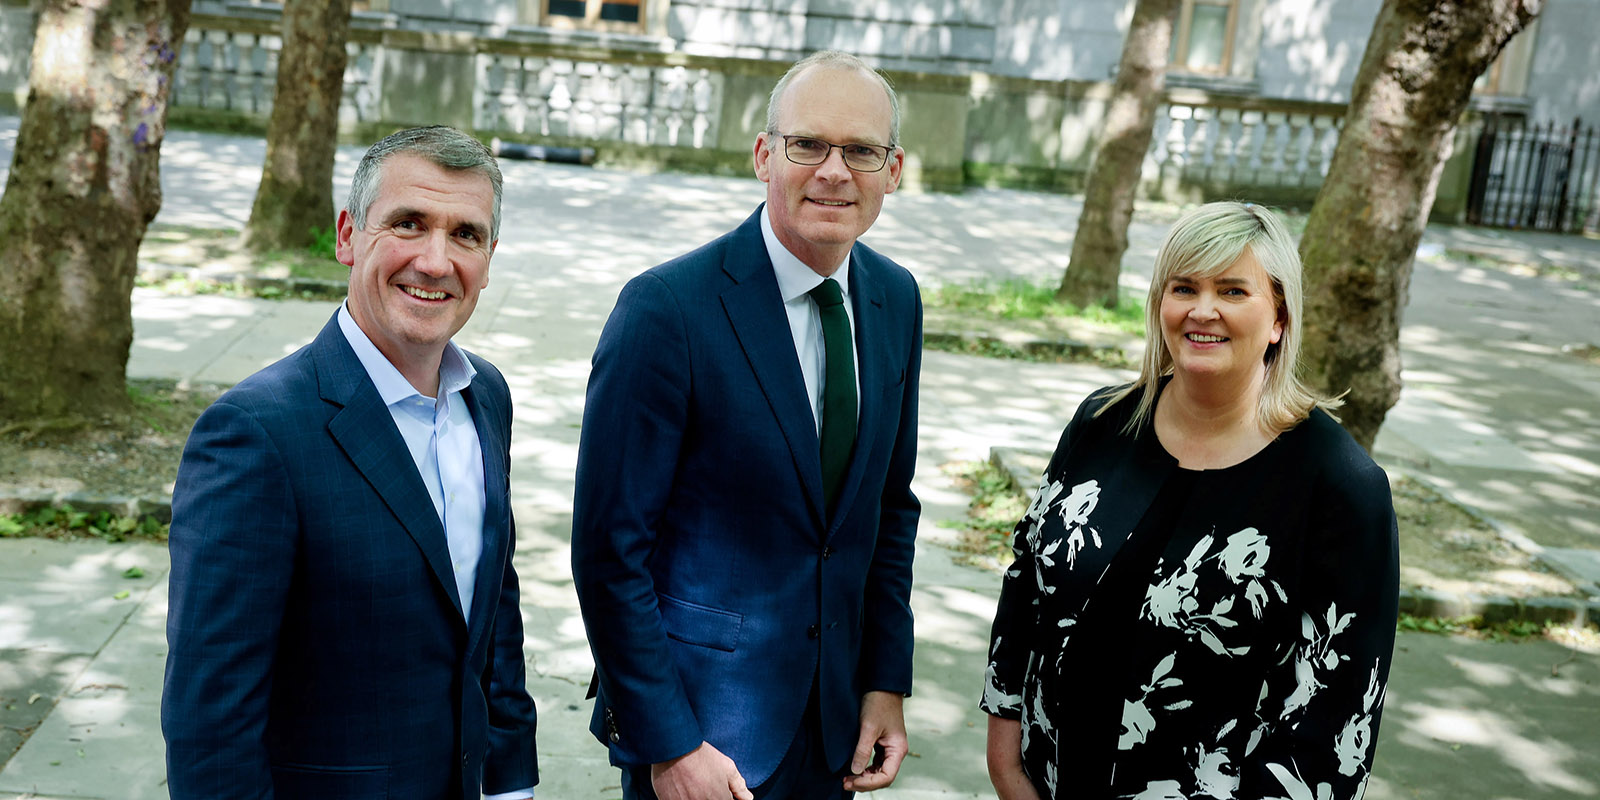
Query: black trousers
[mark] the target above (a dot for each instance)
(803, 774)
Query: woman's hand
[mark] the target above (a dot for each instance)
(1005, 761)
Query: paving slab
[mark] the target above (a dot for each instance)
(63, 597)
(1469, 718)
(30, 682)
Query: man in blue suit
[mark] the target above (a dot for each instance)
(744, 523)
(344, 619)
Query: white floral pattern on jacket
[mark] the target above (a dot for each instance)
(1255, 664)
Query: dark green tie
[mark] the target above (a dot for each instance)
(838, 389)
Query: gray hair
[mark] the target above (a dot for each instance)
(442, 145)
(1204, 243)
(834, 59)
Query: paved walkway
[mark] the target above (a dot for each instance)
(1494, 412)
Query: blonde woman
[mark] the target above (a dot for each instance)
(1203, 600)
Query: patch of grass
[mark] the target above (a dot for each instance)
(1036, 351)
(1586, 352)
(216, 254)
(323, 242)
(1017, 299)
(1476, 627)
(183, 285)
(65, 522)
(991, 515)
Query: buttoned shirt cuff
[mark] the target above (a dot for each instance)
(520, 794)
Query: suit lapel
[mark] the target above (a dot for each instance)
(496, 508)
(755, 310)
(870, 340)
(367, 433)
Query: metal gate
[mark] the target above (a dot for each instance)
(1538, 177)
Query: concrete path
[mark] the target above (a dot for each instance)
(1494, 412)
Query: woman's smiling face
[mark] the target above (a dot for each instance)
(1220, 326)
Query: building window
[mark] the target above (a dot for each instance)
(621, 15)
(1508, 75)
(1202, 40)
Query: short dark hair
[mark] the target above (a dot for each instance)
(442, 145)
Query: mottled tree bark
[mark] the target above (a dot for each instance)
(296, 192)
(84, 183)
(1410, 93)
(1102, 236)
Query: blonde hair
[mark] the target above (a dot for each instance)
(1204, 243)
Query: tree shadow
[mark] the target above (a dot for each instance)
(1470, 718)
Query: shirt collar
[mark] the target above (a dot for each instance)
(794, 277)
(455, 371)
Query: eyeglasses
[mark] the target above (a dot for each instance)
(809, 152)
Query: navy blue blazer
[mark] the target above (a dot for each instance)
(317, 645)
(714, 586)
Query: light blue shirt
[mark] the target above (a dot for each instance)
(795, 280)
(444, 445)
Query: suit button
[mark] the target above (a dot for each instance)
(615, 737)
(827, 553)
(813, 632)
(465, 758)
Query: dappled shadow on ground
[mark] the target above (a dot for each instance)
(1470, 718)
(84, 627)
(1498, 413)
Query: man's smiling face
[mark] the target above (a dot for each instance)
(419, 262)
(818, 211)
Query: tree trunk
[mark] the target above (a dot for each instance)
(1102, 236)
(84, 183)
(1410, 93)
(296, 192)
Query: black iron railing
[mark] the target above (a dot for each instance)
(1538, 177)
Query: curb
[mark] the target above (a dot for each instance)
(1513, 537)
(21, 501)
(1022, 467)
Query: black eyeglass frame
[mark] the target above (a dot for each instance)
(884, 150)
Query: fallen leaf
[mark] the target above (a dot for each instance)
(133, 572)
(122, 595)
(33, 698)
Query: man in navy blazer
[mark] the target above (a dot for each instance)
(344, 619)
(751, 626)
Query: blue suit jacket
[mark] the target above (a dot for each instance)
(317, 645)
(713, 584)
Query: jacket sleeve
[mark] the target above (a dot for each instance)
(232, 541)
(887, 633)
(1317, 718)
(634, 417)
(512, 762)
(1011, 638)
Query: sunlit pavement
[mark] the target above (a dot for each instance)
(1494, 412)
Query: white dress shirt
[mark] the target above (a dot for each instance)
(444, 444)
(795, 279)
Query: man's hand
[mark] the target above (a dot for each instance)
(703, 773)
(1005, 761)
(883, 733)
